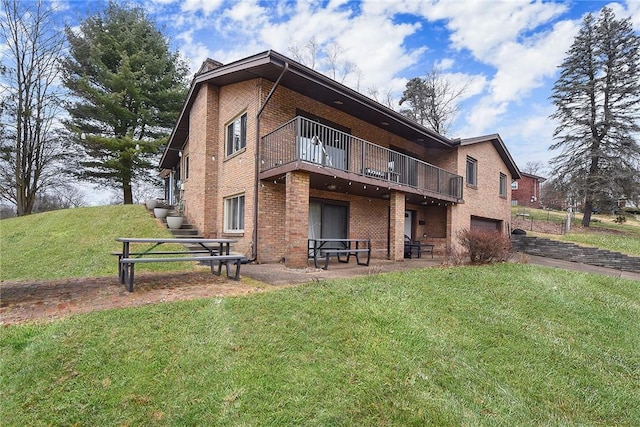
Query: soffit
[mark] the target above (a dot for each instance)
(270, 65)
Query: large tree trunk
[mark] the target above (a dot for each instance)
(127, 193)
(588, 206)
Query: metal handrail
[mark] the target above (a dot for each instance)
(301, 139)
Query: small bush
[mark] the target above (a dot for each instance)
(484, 246)
(454, 257)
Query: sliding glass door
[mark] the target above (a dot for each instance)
(328, 220)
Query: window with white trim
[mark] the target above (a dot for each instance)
(472, 171)
(236, 135)
(503, 185)
(234, 214)
(514, 185)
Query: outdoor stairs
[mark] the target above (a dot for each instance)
(570, 252)
(187, 231)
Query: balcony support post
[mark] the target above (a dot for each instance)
(296, 219)
(396, 225)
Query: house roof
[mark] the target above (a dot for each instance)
(528, 175)
(299, 78)
(274, 66)
(500, 148)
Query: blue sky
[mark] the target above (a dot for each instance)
(507, 52)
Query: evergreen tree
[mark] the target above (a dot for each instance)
(128, 89)
(597, 99)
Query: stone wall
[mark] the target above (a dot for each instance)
(571, 252)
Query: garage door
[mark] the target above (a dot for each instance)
(479, 223)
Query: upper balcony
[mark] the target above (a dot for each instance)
(334, 157)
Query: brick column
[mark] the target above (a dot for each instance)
(396, 218)
(296, 219)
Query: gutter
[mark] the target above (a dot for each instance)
(256, 186)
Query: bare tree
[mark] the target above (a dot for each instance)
(329, 59)
(385, 98)
(533, 167)
(307, 54)
(30, 148)
(433, 100)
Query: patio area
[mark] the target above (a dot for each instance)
(38, 301)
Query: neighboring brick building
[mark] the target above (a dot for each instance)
(271, 153)
(525, 191)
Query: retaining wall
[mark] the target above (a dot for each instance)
(571, 252)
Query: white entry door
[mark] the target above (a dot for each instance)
(408, 223)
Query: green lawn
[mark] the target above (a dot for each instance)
(603, 233)
(74, 242)
(509, 344)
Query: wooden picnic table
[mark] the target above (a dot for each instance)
(216, 252)
(338, 247)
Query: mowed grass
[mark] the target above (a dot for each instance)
(75, 242)
(507, 345)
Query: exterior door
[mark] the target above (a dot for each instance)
(408, 224)
(327, 221)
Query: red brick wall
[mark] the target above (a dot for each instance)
(213, 176)
(484, 199)
(271, 214)
(397, 209)
(201, 204)
(296, 219)
(527, 187)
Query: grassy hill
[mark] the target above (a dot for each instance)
(73, 242)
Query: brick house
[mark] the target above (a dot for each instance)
(526, 191)
(271, 153)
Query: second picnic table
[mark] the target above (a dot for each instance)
(338, 247)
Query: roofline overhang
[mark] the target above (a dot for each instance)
(179, 133)
(500, 147)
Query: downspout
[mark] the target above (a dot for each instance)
(254, 252)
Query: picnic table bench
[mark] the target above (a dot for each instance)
(414, 247)
(340, 248)
(216, 256)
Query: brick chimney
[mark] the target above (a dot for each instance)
(208, 65)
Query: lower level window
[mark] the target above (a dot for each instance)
(234, 214)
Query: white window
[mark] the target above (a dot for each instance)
(472, 171)
(234, 214)
(236, 135)
(503, 185)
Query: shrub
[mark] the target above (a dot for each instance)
(484, 246)
(454, 257)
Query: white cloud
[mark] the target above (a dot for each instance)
(444, 64)
(195, 52)
(507, 50)
(204, 6)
